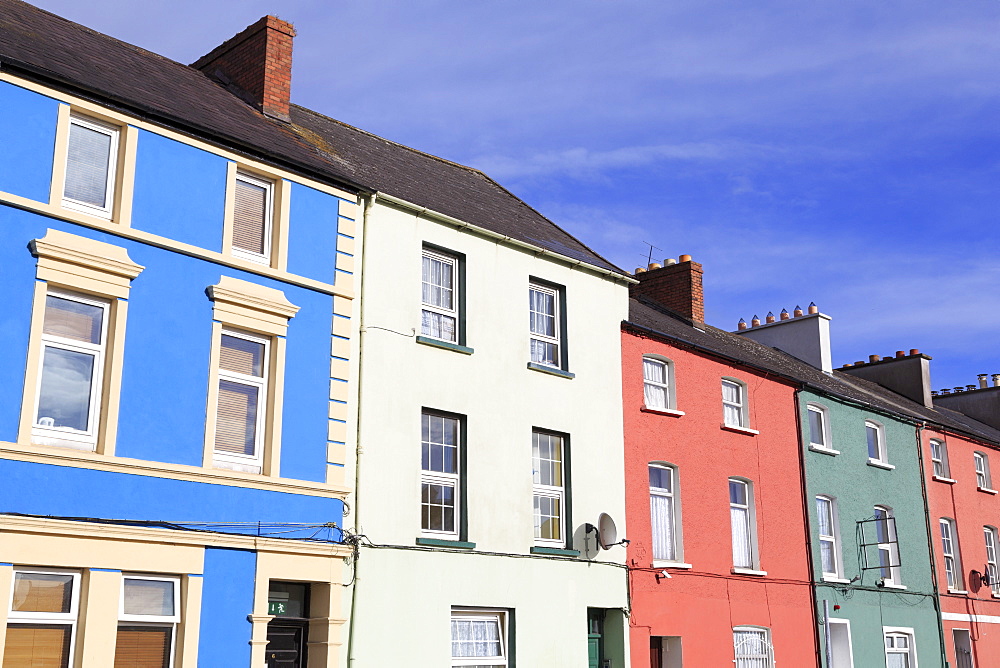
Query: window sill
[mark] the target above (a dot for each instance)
(748, 571)
(889, 585)
(986, 490)
(555, 552)
(838, 580)
(444, 345)
(880, 465)
(824, 451)
(551, 370)
(671, 564)
(959, 592)
(662, 411)
(440, 542)
(740, 430)
(948, 481)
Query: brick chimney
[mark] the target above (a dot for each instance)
(676, 285)
(256, 65)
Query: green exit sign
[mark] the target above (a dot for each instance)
(276, 608)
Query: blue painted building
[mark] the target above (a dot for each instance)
(177, 271)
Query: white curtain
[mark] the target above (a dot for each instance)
(475, 637)
(741, 537)
(438, 282)
(752, 649)
(661, 510)
(897, 660)
(543, 313)
(655, 375)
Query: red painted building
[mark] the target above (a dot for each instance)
(719, 566)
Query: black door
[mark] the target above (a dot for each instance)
(286, 643)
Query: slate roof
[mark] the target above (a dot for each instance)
(651, 317)
(44, 46)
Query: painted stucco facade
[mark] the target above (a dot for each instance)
(865, 604)
(146, 496)
(482, 381)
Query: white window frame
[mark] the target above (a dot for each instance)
(833, 540)
(53, 618)
(556, 340)
(446, 479)
(268, 230)
(824, 417)
(740, 405)
(482, 614)
(453, 312)
(992, 539)
(751, 519)
(889, 548)
(756, 660)
(950, 552)
(983, 478)
(109, 189)
(881, 451)
(895, 632)
(669, 400)
(153, 621)
(675, 524)
(939, 459)
(248, 463)
(66, 436)
(551, 492)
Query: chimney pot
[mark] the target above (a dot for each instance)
(874, 358)
(742, 324)
(769, 318)
(784, 314)
(914, 351)
(639, 270)
(848, 364)
(797, 312)
(982, 379)
(654, 265)
(755, 322)
(900, 353)
(969, 388)
(934, 393)
(669, 261)
(959, 389)
(813, 309)
(996, 380)
(684, 258)
(945, 390)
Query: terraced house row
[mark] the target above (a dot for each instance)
(284, 393)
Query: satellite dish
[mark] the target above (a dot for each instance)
(607, 532)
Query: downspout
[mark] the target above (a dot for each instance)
(359, 450)
(805, 516)
(930, 542)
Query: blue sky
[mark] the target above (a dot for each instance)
(846, 153)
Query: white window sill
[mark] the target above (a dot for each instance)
(880, 464)
(986, 490)
(825, 451)
(748, 571)
(949, 481)
(671, 564)
(740, 430)
(832, 578)
(889, 585)
(960, 592)
(663, 411)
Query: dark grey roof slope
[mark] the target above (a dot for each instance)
(49, 46)
(442, 186)
(646, 315)
(42, 45)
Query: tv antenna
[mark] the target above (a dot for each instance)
(649, 259)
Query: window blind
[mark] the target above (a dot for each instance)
(149, 597)
(241, 356)
(41, 592)
(236, 424)
(37, 645)
(70, 319)
(87, 165)
(249, 217)
(143, 647)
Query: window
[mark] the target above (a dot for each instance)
(74, 339)
(819, 434)
(252, 214)
(657, 383)
(734, 403)
(983, 479)
(741, 513)
(752, 647)
(440, 444)
(41, 624)
(899, 648)
(963, 648)
(91, 159)
(242, 401)
(949, 549)
(939, 459)
(840, 643)
(888, 548)
(544, 325)
(439, 296)
(663, 510)
(148, 616)
(829, 536)
(990, 536)
(479, 638)
(876, 442)
(549, 488)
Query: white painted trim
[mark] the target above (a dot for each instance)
(963, 617)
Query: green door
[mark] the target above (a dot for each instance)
(594, 650)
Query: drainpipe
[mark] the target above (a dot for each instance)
(805, 516)
(826, 631)
(369, 203)
(930, 542)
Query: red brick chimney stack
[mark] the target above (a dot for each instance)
(258, 63)
(677, 285)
